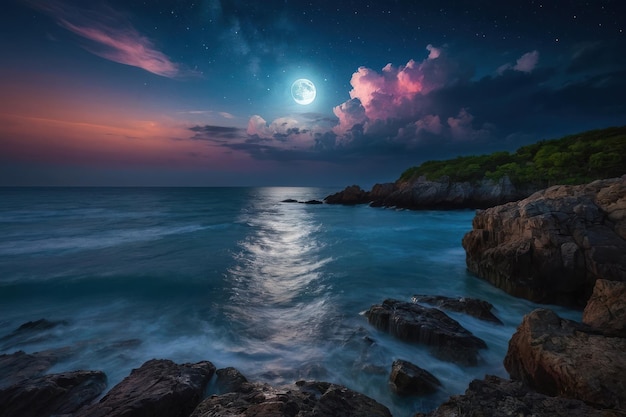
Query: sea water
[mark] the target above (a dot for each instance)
(238, 277)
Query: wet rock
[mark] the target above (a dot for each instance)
(231, 380)
(18, 366)
(429, 326)
(53, 394)
(303, 399)
(30, 332)
(472, 306)
(552, 246)
(561, 357)
(606, 309)
(497, 397)
(409, 379)
(313, 202)
(158, 388)
(289, 200)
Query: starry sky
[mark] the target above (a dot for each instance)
(198, 93)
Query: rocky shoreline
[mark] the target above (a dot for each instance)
(564, 244)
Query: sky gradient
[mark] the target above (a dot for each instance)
(197, 93)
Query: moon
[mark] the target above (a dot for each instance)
(303, 91)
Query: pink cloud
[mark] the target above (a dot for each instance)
(113, 37)
(395, 91)
(525, 63)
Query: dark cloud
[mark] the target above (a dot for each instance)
(429, 108)
(216, 133)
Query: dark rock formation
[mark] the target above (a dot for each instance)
(19, 365)
(472, 306)
(230, 380)
(158, 388)
(428, 326)
(289, 200)
(54, 394)
(409, 379)
(606, 309)
(497, 397)
(441, 194)
(556, 356)
(349, 196)
(313, 202)
(303, 399)
(552, 246)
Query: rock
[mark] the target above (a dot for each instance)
(552, 246)
(54, 394)
(231, 380)
(496, 397)
(474, 307)
(409, 379)
(561, 357)
(313, 202)
(606, 309)
(158, 388)
(303, 399)
(428, 326)
(30, 332)
(41, 324)
(18, 366)
(419, 193)
(349, 196)
(289, 200)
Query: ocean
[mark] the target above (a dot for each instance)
(240, 278)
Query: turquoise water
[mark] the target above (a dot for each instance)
(235, 276)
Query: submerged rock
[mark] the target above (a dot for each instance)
(53, 394)
(429, 326)
(561, 357)
(409, 379)
(552, 246)
(472, 306)
(302, 399)
(158, 388)
(496, 397)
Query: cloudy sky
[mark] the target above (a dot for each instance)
(177, 92)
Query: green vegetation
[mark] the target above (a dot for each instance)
(573, 159)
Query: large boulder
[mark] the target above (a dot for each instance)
(552, 246)
(409, 379)
(606, 309)
(561, 357)
(53, 394)
(496, 397)
(429, 326)
(302, 399)
(159, 388)
(474, 307)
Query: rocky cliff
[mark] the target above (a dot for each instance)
(552, 246)
(441, 194)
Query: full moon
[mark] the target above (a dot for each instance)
(303, 91)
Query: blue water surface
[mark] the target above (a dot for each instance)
(237, 277)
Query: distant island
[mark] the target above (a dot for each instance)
(488, 180)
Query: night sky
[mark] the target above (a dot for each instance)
(198, 93)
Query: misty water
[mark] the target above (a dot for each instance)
(237, 277)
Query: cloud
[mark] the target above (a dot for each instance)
(429, 108)
(526, 63)
(216, 133)
(111, 36)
